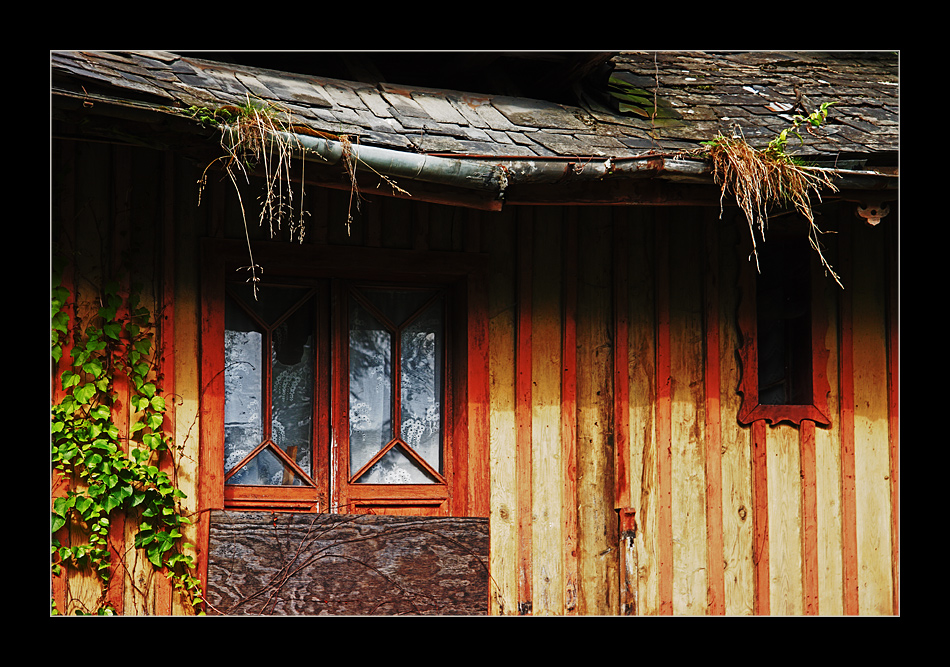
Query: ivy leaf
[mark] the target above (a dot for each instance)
(84, 393)
(101, 412)
(70, 379)
(112, 330)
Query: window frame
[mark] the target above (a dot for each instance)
(751, 409)
(465, 446)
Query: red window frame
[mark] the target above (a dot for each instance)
(461, 276)
(815, 408)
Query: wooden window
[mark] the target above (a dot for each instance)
(339, 390)
(783, 325)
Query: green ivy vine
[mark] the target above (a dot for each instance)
(87, 443)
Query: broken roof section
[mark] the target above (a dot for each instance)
(625, 115)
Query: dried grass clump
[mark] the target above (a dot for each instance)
(255, 140)
(766, 178)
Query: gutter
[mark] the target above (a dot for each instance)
(493, 174)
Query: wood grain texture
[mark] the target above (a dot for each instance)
(639, 276)
(687, 417)
(736, 444)
(598, 531)
(547, 526)
(871, 449)
(503, 439)
(263, 563)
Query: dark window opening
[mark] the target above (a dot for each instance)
(783, 322)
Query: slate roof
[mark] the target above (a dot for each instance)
(697, 96)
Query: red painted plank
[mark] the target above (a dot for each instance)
(621, 369)
(760, 516)
(714, 545)
(664, 418)
(523, 410)
(569, 410)
(893, 389)
(846, 383)
(806, 436)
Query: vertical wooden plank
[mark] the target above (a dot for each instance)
(664, 444)
(599, 537)
(569, 409)
(185, 263)
(90, 256)
(893, 392)
(621, 421)
(846, 383)
(504, 443)
(641, 280)
(623, 497)
(687, 420)
(736, 443)
(872, 451)
(760, 516)
(210, 331)
(121, 409)
(523, 421)
(546, 332)
(478, 398)
(64, 227)
(828, 469)
(809, 519)
(784, 507)
(715, 595)
(318, 222)
(165, 340)
(420, 227)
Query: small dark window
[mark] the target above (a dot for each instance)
(783, 323)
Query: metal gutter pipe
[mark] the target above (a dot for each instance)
(495, 174)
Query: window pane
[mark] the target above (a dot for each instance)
(396, 468)
(265, 469)
(293, 386)
(421, 384)
(783, 296)
(243, 386)
(371, 386)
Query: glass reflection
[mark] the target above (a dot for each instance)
(269, 357)
(415, 320)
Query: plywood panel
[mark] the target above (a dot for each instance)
(321, 564)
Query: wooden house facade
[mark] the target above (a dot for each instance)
(521, 362)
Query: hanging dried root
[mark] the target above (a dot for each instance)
(759, 179)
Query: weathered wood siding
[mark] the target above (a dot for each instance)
(620, 479)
